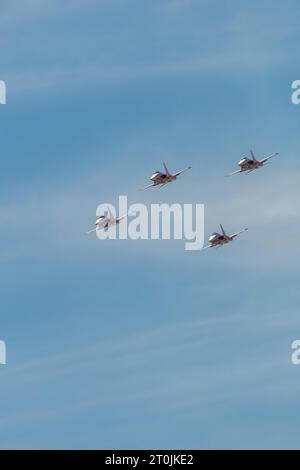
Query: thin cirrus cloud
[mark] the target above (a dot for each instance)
(119, 337)
(57, 220)
(138, 355)
(235, 50)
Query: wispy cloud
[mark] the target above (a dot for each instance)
(15, 12)
(232, 49)
(166, 363)
(57, 220)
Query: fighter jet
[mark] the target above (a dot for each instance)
(161, 179)
(248, 164)
(219, 239)
(106, 221)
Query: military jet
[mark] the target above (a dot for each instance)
(105, 221)
(248, 164)
(161, 179)
(219, 239)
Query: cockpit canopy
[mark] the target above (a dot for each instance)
(155, 175)
(214, 235)
(244, 160)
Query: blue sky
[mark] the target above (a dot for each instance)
(141, 344)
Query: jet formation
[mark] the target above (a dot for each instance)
(247, 164)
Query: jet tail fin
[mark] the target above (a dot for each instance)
(110, 213)
(166, 169)
(252, 155)
(223, 231)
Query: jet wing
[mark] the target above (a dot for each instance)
(91, 231)
(148, 186)
(238, 233)
(182, 171)
(205, 247)
(118, 220)
(234, 173)
(268, 158)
